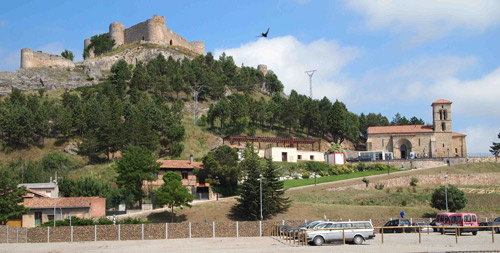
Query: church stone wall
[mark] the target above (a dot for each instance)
(32, 59)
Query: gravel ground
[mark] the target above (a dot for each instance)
(433, 242)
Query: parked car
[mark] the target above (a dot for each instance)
(435, 223)
(423, 227)
(309, 224)
(355, 232)
(485, 226)
(394, 224)
(496, 222)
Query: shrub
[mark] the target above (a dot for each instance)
(380, 186)
(366, 181)
(403, 202)
(305, 174)
(323, 173)
(399, 189)
(414, 181)
(387, 190)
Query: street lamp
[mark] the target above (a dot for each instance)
(446, 191)
(260, 183)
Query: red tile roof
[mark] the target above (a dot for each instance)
(179, 164)
(60, 202)
(441, 101)
(31, 193)
(406, 129)
(457, 134)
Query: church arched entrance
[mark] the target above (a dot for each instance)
(404, 151)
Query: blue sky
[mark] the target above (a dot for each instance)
(376, 56)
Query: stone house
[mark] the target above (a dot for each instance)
(48, 189)
(185, 168)
(431, 140)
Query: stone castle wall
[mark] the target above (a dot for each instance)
(153, 30)
(32, 59)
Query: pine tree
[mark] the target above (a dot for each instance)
(274, 201)
(10, 196)
(248, 206)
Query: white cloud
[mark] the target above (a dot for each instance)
(480, 138)
(289, 58)
(427, 19)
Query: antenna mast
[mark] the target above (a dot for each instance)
(310, 73)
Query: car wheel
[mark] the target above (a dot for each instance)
(474, 232)
(318, 240)
(357, 240)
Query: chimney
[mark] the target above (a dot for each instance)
(191, 158)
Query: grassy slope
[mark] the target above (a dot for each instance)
(315, 202)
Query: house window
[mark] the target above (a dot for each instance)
(184, 175)
(311, 158)
(50, 216)
(299, 157)
(284, 157)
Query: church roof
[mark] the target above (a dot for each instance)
(457, 134)
(441, 101)
(405, 129)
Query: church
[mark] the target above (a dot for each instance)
(431, 140)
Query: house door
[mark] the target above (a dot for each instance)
(403, 151)
(38, 218)
(283, 157)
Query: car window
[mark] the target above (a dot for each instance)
(439, 218)
(394, 223)
(467, 218)
(446, 219)
(346, 225)
(453, 219)
(337, 225)
(459, 219)
(497, 219)
(405, 222)
(473, 218)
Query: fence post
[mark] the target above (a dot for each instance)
(456, 235)
(343, 236)
(71, 233)
(119, 232)
(26, 235)
(492, 235)
(7, 233)
(95, 233)
(189, 230)
(213, 228)
(143, 231)
(166, 231)
(260, 228)
(17, 234)
(237, 230)
(382, 233)
(48, 234)
(420, 235)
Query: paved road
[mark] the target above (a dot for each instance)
(433, 242)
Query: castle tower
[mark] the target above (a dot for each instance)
(117, 33)
(26, 58)
(86, 43)
(156, 26)
(262, 68)
(441, 116)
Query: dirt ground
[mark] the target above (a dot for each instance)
(433, 242)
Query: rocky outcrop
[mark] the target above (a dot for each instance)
(47, 78)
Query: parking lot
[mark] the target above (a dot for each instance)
(433, 242)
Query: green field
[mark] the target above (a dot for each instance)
(310, 181)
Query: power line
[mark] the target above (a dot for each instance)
(310, 73)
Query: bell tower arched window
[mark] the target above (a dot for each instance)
(445, 115)
(443, 126)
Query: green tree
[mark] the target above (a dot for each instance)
(456, 198)
(273, 84)
(136, 165)
(248, 206)
(100, 43)
(172, 193)
(121, 70)
(274, 201)
(11, 196)
(68, 54)
(495, 148)
(140, 79)
(220, 169)
(335, 148)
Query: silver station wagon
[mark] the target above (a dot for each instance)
(354, 231)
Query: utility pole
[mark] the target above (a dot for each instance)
(196, 90)
(55, 198)
(310, 73)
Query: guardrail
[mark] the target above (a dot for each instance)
(298, 237)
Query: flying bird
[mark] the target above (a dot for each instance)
(264, 34)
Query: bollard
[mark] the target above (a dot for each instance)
(428, 228)
(420, 235)
(237, 229)
(166, 231)
(119, 232)
(492, 235)
(343, 236)
(382, 229)
(456, 235)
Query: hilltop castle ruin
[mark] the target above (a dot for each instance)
(152, 31)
